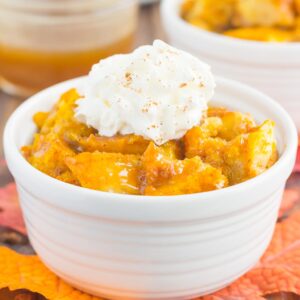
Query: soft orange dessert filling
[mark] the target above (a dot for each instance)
(260, 20)
(225, 149)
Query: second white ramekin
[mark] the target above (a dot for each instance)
(138, 247)
(273, 68)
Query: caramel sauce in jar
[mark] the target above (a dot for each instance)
(43, 43)
(31, 71)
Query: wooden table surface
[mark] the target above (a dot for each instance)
(148, 30)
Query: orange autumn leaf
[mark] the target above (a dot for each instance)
(10, 212)
(277, 271)
(29, 273)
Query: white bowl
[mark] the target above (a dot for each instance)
(273, 68)
(143, 247)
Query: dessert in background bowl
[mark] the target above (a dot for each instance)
(261, 56)
(144, 246)
(260, 20)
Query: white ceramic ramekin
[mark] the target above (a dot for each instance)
(138, 247)
(273, 68)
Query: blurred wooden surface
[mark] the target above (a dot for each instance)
(149, 29)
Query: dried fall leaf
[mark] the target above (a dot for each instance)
(12, 237)
(28, 272)
(10, 212)
(6, 294)
(277, 271)
(290, 199)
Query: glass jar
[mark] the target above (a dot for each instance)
(45, 42)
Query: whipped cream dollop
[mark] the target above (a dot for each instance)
(158, 92)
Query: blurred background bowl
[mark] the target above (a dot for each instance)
(274, 68)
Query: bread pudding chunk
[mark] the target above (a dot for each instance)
(225, 149)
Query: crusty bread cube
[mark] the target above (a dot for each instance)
(61, 121)
(48, 153)
(234, 124)
(240, 150)
(250, 154)
(208, 14)
(125, 144)
(163, 175)
(264, 13)
(109, 172)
